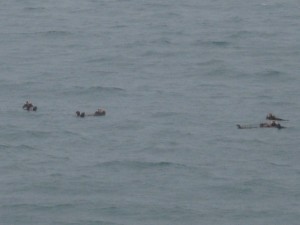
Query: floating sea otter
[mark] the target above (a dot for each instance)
(99, 112)
(80, 114)
(262, 125)
(272, 125)
(270, 116)
(29, 106)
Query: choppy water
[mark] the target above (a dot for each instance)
(175, 77)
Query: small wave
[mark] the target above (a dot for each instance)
(100, 60)
(156, 53)
(263, 182)
(158, 5)
(37, 133)
(242, 34)
(37, 206)
(22, 134)
(272, 73)
(139, 164)
(219, 43)
(56, 175)
(55, 33)
(165, 114)
(15, 85)
(25, 147)
(49, 33)
(71, 133)
(250, 34)
(58, 158)
(98, 222)
(93, 89)
(3, 147)
(99, 88)
(34, 8)
(164, 41)
(211, 43)
(211, 62)
(119, 26)
(278, 164)
(214, 86)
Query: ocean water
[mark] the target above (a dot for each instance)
(175, 77)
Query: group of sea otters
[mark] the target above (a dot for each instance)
(272, 117)
(100, 112)
(29, 106)
(273, 124)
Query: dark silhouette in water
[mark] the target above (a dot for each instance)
(29, 106)
(80, 114)
(99, 112)
(262, 125)
(273, 124)
(270, 116)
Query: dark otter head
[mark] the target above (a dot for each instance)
(100, 113)
(34, 108)
(82, 114)
(77, 113)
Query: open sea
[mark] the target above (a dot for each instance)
(175, 77)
